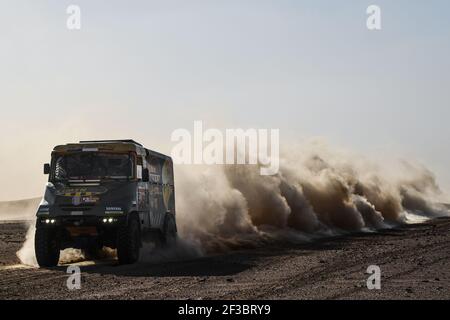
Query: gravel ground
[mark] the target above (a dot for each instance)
(414, 262)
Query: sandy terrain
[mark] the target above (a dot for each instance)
(414, 260)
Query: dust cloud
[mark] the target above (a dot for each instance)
(26, 253)
(19, 210)
(318, 191)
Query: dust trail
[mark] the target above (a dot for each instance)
(181, 250)
(23, 210)
(19, 210)
(26, 253)
(318, 191)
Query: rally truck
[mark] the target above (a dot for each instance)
(105, 193)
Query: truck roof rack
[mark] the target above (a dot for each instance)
(112, 141)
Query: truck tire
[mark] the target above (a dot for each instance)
(129, 242)
(169, 234)
(46, 247)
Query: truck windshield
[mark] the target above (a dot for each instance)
(93, 166)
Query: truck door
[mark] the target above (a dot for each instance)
(157, 211)
(143, 202)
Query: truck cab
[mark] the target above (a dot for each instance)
(112, 193)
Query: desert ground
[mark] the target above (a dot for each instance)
(414, 262)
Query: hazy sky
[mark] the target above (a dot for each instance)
(140, 69)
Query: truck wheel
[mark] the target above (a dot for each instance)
(169, 235)
(46, 247)
(129, 242)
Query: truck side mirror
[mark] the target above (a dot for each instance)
(46, 168)
(145, 175)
